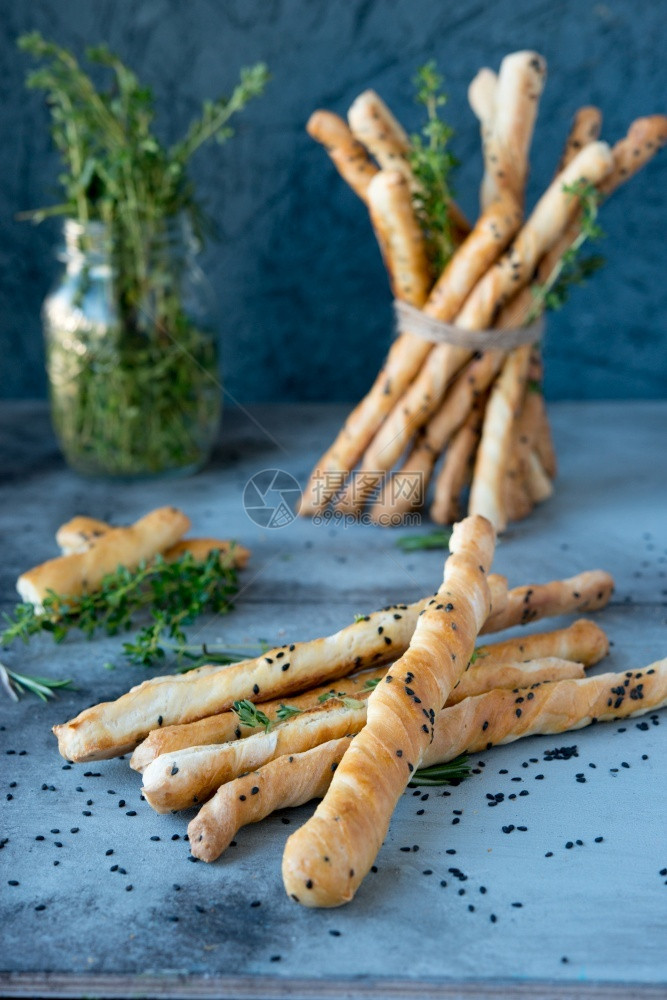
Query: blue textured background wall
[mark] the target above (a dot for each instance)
(304, 302)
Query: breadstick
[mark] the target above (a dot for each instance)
(479, 677)
(182, 778)
(646, 136)
(400, 237)
(80, 533)
(583, 641)
(486, 492)
(437, 365)
(555, 708)
(115, 727)
(488, 239)
(585, 128)
(375, 126)
(347, 154)
(71, 576)
(457, 467)
(585, 592)
(482, 99)
(225, 726)
(520, 83)
(325, 861)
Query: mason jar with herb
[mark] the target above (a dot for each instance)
(130, 341)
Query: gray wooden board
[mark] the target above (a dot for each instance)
(592, 914)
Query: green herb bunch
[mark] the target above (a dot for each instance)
(173, 594)
(136, 399)
(432, 163)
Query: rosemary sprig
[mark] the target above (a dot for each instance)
(571, 269)
(44, 687)
(432, 163)
(450, 773)
(438, 539)
(174, 594)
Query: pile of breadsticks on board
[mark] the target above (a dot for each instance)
(350, 718)
(482, 410)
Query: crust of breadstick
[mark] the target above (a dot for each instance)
(583, 641)
(520, 83)
(554, 708)
(115, 727)
(457, 467)
(480, 677)
(183, 778)
(486, 492)
(421, 398)
(406, 355)
(587, 591)
(325, 861)
(225, 726)
(400, 237)
(81, 572)
(347, 154)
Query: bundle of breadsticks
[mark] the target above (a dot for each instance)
(461, 385)
(90, 549)
(352, 717)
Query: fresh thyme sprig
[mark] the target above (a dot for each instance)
(174, 594)
(432, 164)
(343, 698)
(450, 773)
(571, 269)
(16, 684)
(249, 715)
(371, 683)
(438, 539)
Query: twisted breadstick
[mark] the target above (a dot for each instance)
(585, 128)
(225, 726)
(325, 861)
(456, 471)
(463, 728)
(114, 727)
(347, 154)
(583, 641)
(81, 572)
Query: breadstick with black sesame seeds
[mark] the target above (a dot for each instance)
(326, 860)
(183, 778)
(79, 534)
(226, 726)
(456, 471)
(116, 727)
(555, 707)
(587, 591)
(480, 677)
(585, 128)
(347, 154)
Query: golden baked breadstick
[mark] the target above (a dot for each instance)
(554, 708)
(81, 533)
(486, 242)
(482, 99)
(585, 592)
(347, 154)
(646, 136)
(182, 778)
(226, 726)
(583, 641)
(507, 142)
(325, 861)
(486, 491)
(457, 467)
(114, 727)
(480, 677)
(400, 237)
(585, 128)
(71, 576)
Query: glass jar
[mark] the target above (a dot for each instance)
(131, 355)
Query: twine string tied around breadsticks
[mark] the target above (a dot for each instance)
(409, 319)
